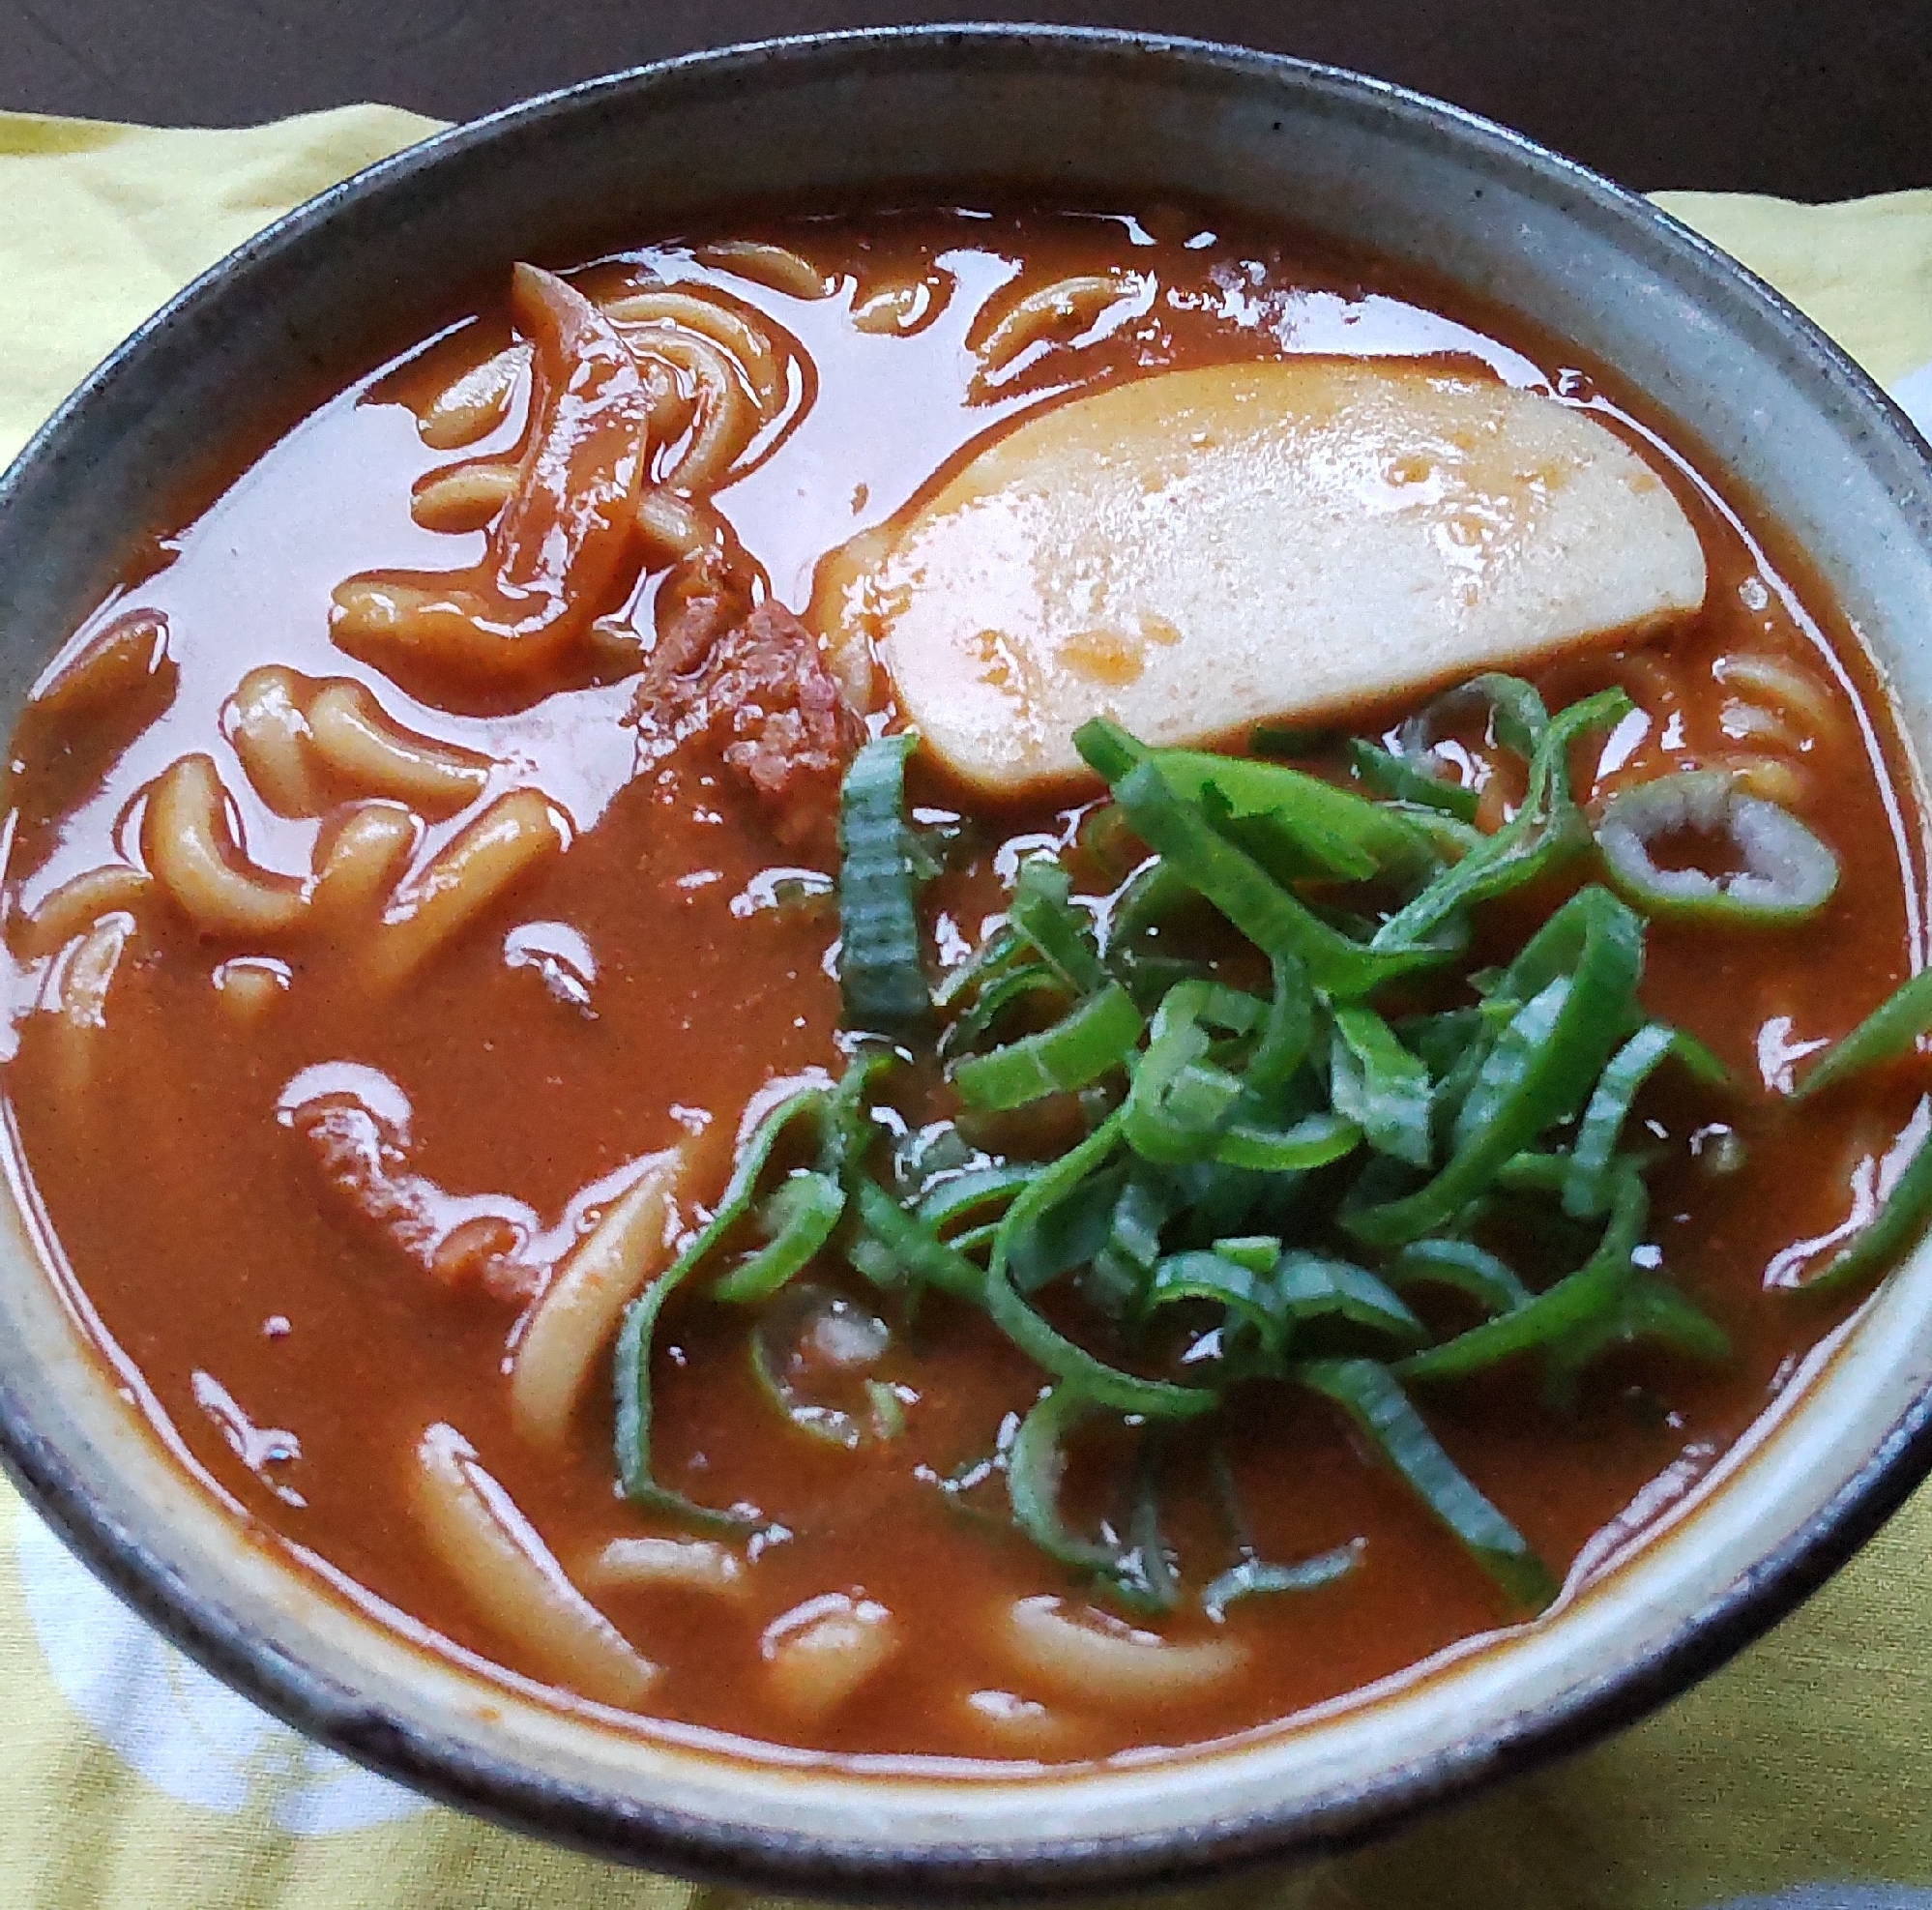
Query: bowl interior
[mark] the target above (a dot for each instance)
(320, 297)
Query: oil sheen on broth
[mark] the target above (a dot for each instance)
(417, 876)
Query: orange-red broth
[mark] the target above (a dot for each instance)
(216, 1275)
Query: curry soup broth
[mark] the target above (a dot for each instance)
(654, 958)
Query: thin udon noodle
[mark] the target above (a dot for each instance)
(1055, 314)
(266, 722)
(465, 497)
(77, 904)
(725, 417)
(904, 310)
(1780, 712)
(369, 751)
(249, 985)
(775, 267)
(306, 744)
(821, 1652)
(1020, 1726)
(477, 403)
(647, 1562)
(359, 857)
(198, 854)
(125, 663)
(1081, 1652)
(77, 996)
(489, 856)
(561, 544)
(513, 1579)
(676, 527)
(710, 380)
(649, 314)
(577, 1318)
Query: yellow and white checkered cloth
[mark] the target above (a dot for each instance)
(1801, 1776)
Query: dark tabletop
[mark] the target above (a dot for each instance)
(1812, 99)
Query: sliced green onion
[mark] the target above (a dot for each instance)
(1035, 1465)
(1787, 873)
(1314, 1286)
(809, 1319)
(633, 1421)
(1257, 1253)
(1330, 832)
(1699, 1062)
(1097, 1037)
(1233, 881)
(1178, 1100)
(1587, 1186)
(1255, 1577)
(1107, 842)
(1533, 1171)
(1607, 1301)
(1450, 838)
(1117, 1277)
(1491, 1282)
(1367, 1393)
(923, 1158)
(1379, 1086)
(1244, 1120)
(1268, 739)
(845, 1123)
(1033, 981)
(1068, 1232)
(1155, 892)
(633, 1371)
(1287, 1028)
(1044, 916)
(991, 958)
(1248, 1297)
(1043, 1344)
(1542, 1063)
(753, 1158)
(1640, 1305)
(912, 1249)
(1891, 1030)
(799, 1217)
(1442, 1039)
(1149, 1580)
(879, 974)
(1311, 1142)
(1544, 832)
(1518, 715)
(889, 1410)
(1147, 976)
(1892, 1231)
(1140, 1212)
(1557, 1313)
(1394, 776)
(970, 1193)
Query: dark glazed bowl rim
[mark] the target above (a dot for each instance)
(632, 1829)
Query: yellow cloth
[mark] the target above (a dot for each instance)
(129, 1781)
(1862, 271)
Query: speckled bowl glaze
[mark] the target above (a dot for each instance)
(320, 296)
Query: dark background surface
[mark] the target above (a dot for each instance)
(1804, 98)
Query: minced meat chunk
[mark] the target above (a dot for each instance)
(754, 682)
(364, 1165)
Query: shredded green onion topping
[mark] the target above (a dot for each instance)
(1317, 1147)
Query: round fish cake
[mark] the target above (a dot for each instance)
(1202, 550)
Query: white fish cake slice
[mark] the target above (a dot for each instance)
(1198, 551)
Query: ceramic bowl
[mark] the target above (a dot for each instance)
(328, 291)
